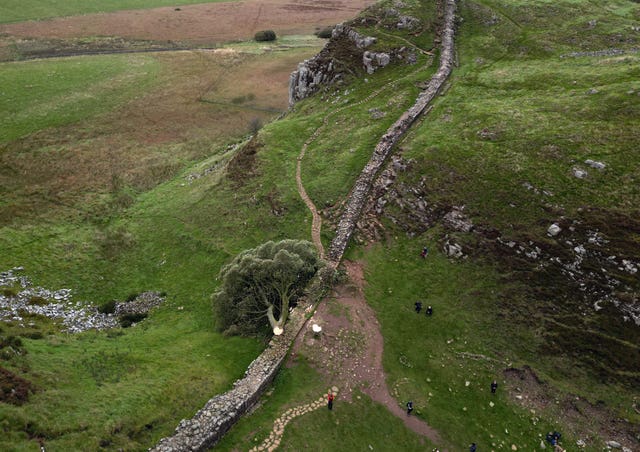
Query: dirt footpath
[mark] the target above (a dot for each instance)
(204, 23)
(348, 352)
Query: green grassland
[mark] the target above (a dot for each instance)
(350, 425)
(138, 229)
(42, 94)
(17, 11)
(543, 115)
(545, 112)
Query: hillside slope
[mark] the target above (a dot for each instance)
(522, 181)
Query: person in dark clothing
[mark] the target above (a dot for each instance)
(418, 305)
(494, 386)
(473, 447)
(409, 407)
(424, 252)
(429, 311)
(330, 398)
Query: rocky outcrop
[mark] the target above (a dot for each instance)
(346, 44)
(362, 187)
(142, 304)
(20, 299)
(374, 60)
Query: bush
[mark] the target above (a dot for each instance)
(129, 319)
(107, 308)
(265, 35)
(325, 33)
(33, 335)
(132, 296)
(9, 292)
(38, 301)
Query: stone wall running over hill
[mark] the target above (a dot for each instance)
(363, 184)
(220, 413)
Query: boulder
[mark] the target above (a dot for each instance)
(554, 230)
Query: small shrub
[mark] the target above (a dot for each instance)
(129, 319)
(255, 125)
(108, 307)
(10, 341)
(325, 33)
(38, 301)
(132, 296)
(265, 35)
(9, 292)
(33, 335)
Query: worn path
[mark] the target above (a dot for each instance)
(316, 223)
(349, 350)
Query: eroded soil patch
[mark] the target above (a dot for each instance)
(14, 389)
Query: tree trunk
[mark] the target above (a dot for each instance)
(278, 325)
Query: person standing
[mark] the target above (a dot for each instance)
(494, 386)
(429, 311)
(473, 447)
(409, 407)
(330, 398)
(418, 305)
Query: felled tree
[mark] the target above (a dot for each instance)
(262, 283)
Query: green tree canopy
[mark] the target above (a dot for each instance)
(261, 283)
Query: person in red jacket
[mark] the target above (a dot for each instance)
(330, 398)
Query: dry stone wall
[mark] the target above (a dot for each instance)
(220, 413)
(360, 191)
(203, 430)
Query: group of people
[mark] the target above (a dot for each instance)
(418, 308)
(552, 438)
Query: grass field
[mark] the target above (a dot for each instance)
(322, 430)
(515, 112)
(15, 11)
(111, 201)
(518, 110)
(41, 94)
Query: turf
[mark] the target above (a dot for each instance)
(526, 106)
(40, 94)
(15, 11)
(146, 227)
(520, 108)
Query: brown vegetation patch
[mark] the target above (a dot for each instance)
(14, 389)
(562, 302)
(188, 115)
(243, 164)
(203, 23)
(583, 419)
